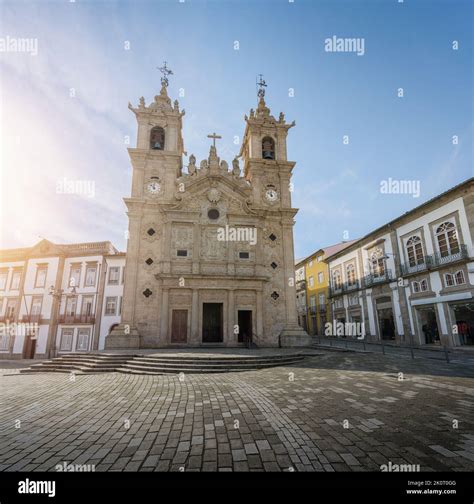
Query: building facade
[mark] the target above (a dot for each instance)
(210, 251)
(315, 288)
(412, 280)
(52, 296)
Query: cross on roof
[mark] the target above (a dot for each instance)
(165, 71)
(261, 85)
(214, 137)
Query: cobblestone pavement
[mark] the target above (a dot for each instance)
(340, 411)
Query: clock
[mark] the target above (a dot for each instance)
(153, 187)
(271, 195)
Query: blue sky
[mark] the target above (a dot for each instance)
(47, 135)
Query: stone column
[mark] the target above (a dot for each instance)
(231, 337)
(293, 335)
(195, 317)
(259, 316)
(289, 272)
(131, 270)
(164, 336)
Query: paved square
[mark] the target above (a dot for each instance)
(340, 411)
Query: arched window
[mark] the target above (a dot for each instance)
(268, 148)
(415, 251)
(157, 138)
(350, 275)
(377, 264)
(447, 237)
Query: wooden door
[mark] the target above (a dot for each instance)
(212, 323)
(179, 326)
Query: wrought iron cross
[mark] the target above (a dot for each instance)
(214, 137)
(165, 71)
(261, 84)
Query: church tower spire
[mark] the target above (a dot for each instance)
(268, 170)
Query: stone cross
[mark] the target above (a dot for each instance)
(214, 137)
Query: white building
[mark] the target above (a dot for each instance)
(412, 280)
(52, 298)
(300, 279)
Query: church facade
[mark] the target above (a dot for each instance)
(210, 256)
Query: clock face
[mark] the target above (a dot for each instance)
(153, 187)
(271, 195)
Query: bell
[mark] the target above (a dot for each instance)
(267, 154)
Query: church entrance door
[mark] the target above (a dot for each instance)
(212, 323)
(245, 326)
(179, 326)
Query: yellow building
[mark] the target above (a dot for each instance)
(316, 286)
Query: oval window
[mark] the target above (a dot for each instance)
(213, 213)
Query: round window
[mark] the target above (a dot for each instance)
(213, 213)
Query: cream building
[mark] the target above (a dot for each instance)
(210, 250)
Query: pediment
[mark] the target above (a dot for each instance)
(234, 195)
(45, 248)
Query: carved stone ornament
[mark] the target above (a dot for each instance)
(150, 231)
(213, 195)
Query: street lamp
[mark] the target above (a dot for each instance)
(57, 294)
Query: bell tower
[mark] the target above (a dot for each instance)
(267, 168)
(264, 154)
(157, 158)
(156, 165)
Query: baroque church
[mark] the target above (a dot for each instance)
(210, 258)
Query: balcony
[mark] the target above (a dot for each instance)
(76, 319)
(312, 310)
(322, 308)
(439, 260)
(372, 279)
(408, 269)
(334, 291)
(343, 288)
(435, 260)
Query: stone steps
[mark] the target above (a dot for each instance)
(161, 364)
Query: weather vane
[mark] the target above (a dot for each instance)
(261, 85)
(165, 71)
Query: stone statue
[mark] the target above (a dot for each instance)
(192, 165)
(142, 102)
(203, 164)
(235, 167)
(282, 117)
(224, 166)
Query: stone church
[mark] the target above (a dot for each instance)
(210, 258)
